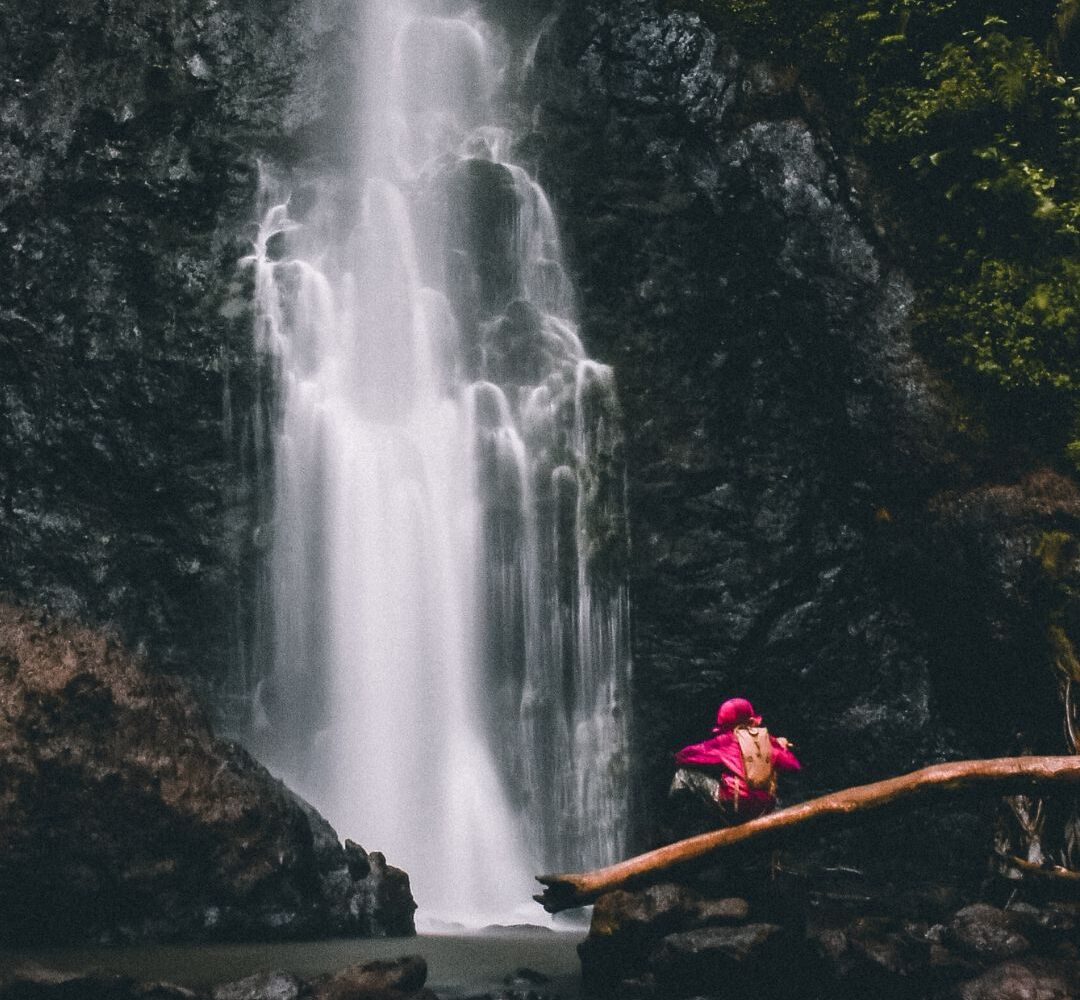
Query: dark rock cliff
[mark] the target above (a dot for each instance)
(808, 527)
(129, 133)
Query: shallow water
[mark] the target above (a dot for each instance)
(458, 964)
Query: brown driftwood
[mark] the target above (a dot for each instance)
(1003, 775)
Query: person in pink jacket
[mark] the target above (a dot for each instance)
(735, 772)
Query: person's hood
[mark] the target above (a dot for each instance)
(735, 712)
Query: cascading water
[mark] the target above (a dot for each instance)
(444, 605)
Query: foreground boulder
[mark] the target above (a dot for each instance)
(380, 980)
(123, 818)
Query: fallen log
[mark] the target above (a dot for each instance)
(1002, 775)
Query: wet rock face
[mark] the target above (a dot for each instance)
(785, 445)
(128, 144)
(122, 818)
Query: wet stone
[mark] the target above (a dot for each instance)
(984, 932)
(513, 346)
(1032, 979)
(375, 980)
(167, 991)
(263, 986)
(655, 911)
(484, 211)
(526, 976)
(739, 957)
(1051, 921)
(732, 910)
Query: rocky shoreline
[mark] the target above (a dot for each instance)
(402, 979)
(670, 941)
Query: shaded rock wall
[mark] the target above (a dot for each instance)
(804, 525)
(123, 818)
(129, 133)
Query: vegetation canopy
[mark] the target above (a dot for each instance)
(967, 113)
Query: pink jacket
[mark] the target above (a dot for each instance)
(721, 756)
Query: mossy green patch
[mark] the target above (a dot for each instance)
(1056, 551)
(1064, 653)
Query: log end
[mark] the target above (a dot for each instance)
(560, 893)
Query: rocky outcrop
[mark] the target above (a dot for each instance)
(123, 818)
(808, 526)
(670, 941)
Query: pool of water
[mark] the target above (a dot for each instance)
(459, 964)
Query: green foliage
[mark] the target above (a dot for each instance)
(1015, 324)
(1054, 551)
(968, 112)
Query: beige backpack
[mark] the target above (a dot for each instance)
(757, 757)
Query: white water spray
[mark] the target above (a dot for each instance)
(446, 609)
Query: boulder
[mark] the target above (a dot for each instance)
(652, 912)
(764, 958)
(1030, 979)
(123, 818)
(986, 933)
(262, 986)
(893, 954)
(728, 910)
(627, 926)
(380, 980)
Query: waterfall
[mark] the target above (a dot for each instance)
(447, 668)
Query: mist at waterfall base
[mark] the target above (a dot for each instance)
(441, 666)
